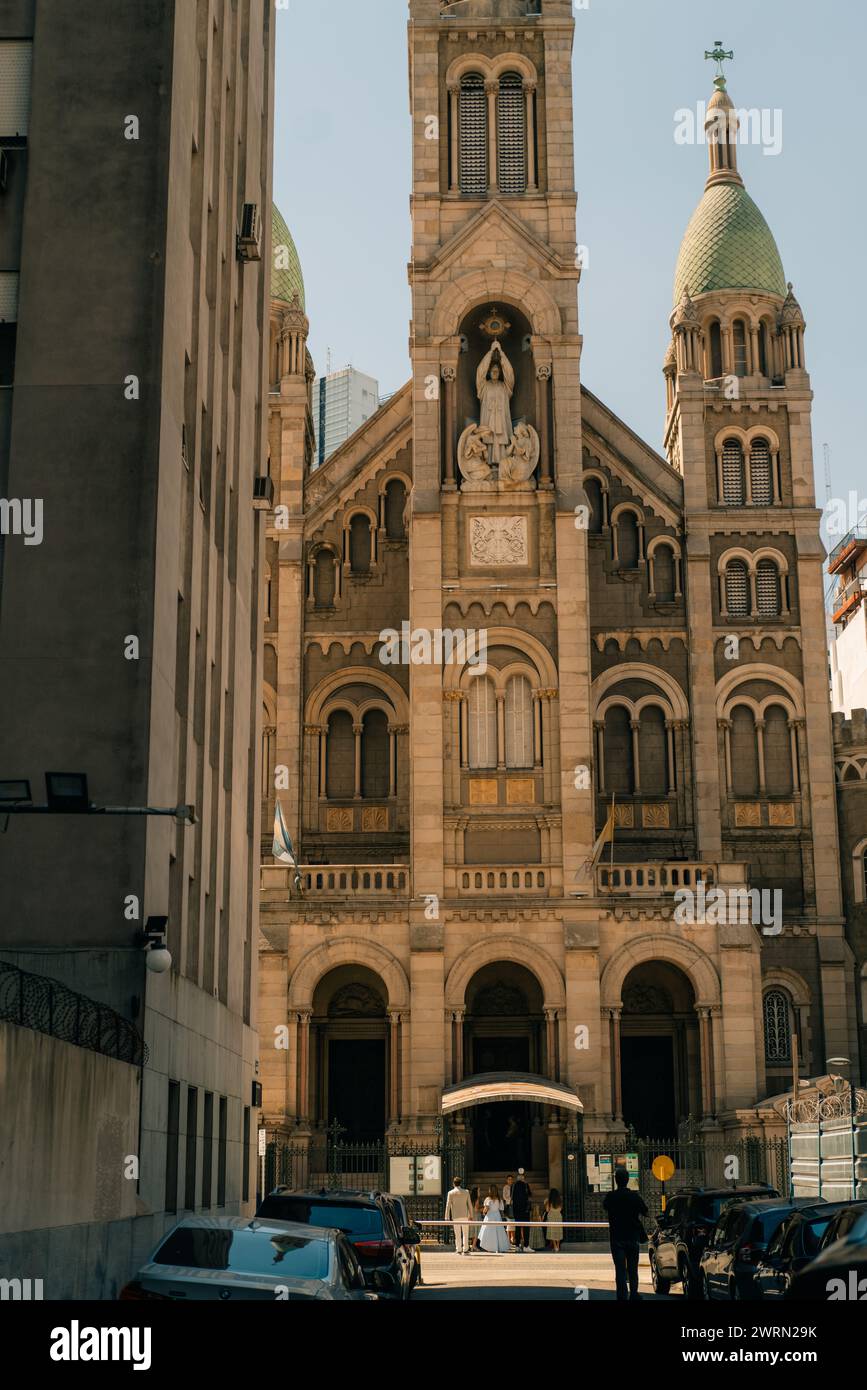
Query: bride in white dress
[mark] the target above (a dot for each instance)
(493, 1238)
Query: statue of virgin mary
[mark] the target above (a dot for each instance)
(495, 383)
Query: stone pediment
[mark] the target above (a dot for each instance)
(494, 218)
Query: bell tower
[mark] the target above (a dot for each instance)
(498, 521)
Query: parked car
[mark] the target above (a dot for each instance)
(234, 1259)
(682, 1230)
(737, 1243)
(369, 1220)
(796, 1242)
(839, 1271)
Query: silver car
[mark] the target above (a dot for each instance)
(234, 1259)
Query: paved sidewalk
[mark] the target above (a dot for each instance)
(513, 1277)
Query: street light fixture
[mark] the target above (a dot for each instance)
(15, 792)
(158, 958)
(66, 794)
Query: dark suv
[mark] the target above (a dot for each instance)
(369, 1220)
(683, 1229)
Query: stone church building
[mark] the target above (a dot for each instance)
(577, 621)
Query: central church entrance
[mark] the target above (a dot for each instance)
(504, 1033)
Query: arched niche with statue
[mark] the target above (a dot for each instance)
(498, 447)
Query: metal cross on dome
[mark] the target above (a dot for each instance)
(719, 55)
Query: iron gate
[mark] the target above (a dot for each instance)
(329, 1161)
(699, 1162)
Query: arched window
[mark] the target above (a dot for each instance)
(324, 579)
(473, 135)
(734, 491)
(627, 541)
(761, 481)
(768, 589)
(737, 586)
(778, 752)
(619, 765)
(716, 360)
(664, 579)
(359, 544)
(653, 752)
(482, 720)
(374, 755)
(511, 135)
(739, 347)
(340, 756)
(519, 723)
(395, 505)
(778, 1027)
(745, 753)
(593, 490)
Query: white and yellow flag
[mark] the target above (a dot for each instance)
(606, 837)
(282, 848)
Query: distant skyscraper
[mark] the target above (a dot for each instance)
(342, 401)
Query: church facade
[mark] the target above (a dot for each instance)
(546, 711)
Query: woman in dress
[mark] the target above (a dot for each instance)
(493, 1238)
(554, 1219)
(537, 1233)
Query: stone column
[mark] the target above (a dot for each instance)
(616, 1080)
(358, 730)
(394, 1019)
(635, 726)
(458, 1016)
(543, 378)
(551, 1044)
(303, 1052)
(454, 115)
(392, 761)
(449, 375)
(492, 89)
(529, 95)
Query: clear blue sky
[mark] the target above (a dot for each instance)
(342, 180)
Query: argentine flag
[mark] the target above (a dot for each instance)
(282, 848)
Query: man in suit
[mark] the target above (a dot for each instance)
(460, 1210)
(521, 1211)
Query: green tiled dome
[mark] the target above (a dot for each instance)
(728, 246)
(286, 277)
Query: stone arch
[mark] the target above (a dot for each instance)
(348, 950)
(356, 675)
(636, 670)
(758, 671)
(780, 977)
(478, 287)
(512, 948)
(522, 641)
(694, 963)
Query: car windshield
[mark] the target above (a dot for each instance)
(359, 1222)
(246, 1252)
(708, 1208)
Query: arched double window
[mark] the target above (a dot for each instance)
(777, 1013)
(762, 757)
(493, 131)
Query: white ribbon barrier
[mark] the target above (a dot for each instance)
(514, 1221)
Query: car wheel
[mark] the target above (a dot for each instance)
(690, 1287)
(660, 1285)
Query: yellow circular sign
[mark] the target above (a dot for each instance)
(663, 1168)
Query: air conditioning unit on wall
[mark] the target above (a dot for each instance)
(249, 247)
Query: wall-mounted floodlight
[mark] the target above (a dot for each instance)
(67, 792)
(158, 957)
(15, 792)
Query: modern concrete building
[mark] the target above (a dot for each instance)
(654, 634)
(342, 402)
(137, 197)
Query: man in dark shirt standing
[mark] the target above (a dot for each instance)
(625, 1231)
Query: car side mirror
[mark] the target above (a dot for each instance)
(410, 1236)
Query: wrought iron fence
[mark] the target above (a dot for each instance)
(699, 1161)
(328, 1161)
(46, 1006)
